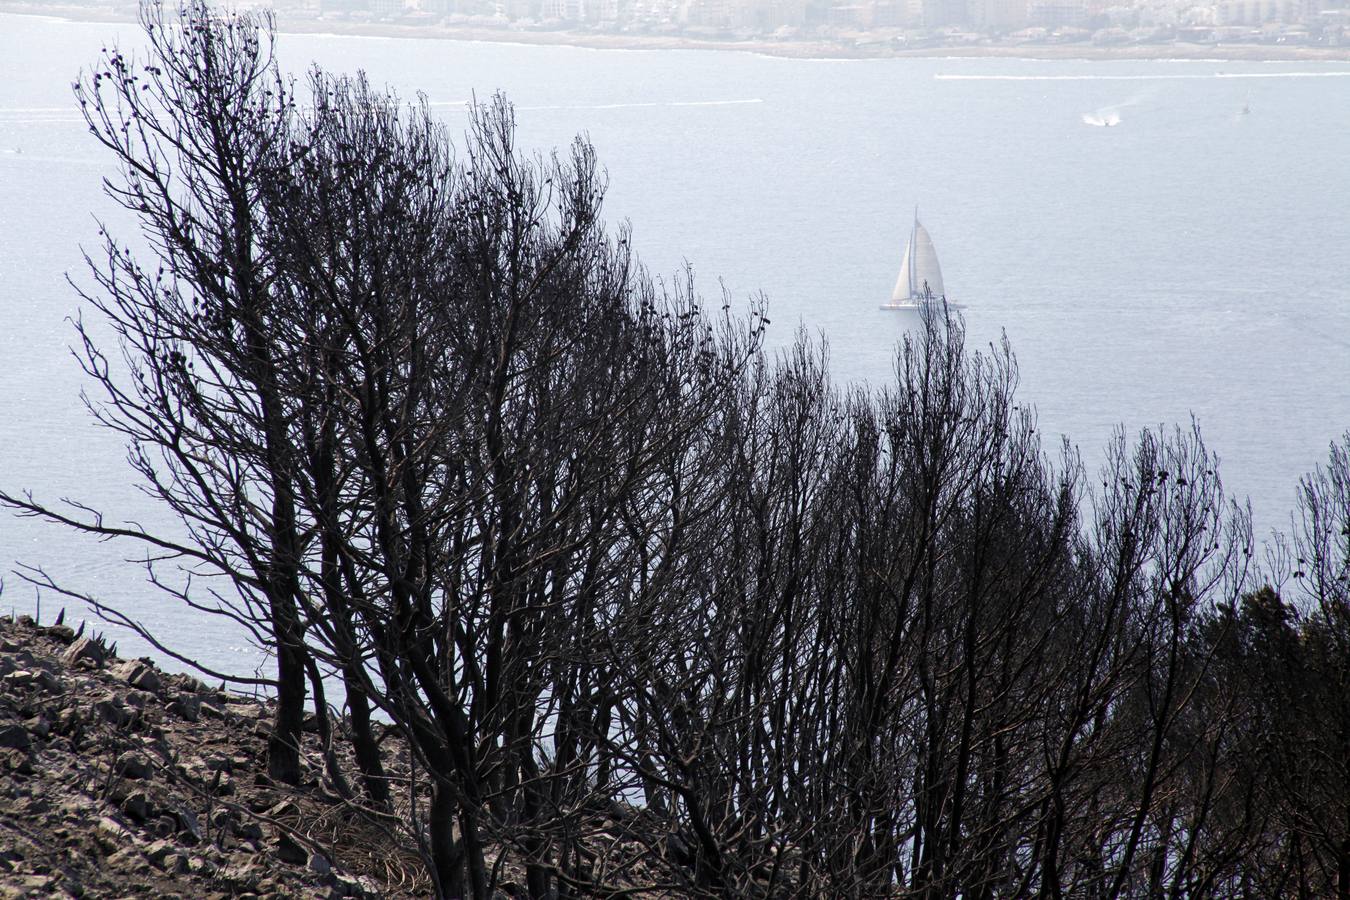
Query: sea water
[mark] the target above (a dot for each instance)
(1151, 251)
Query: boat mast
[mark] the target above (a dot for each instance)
(912, 254)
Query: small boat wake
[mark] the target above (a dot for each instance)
(1109, 116)
(1102, 118)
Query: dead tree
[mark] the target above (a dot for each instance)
(194, 383)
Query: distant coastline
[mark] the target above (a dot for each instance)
(860, 46)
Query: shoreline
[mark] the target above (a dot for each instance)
(817, 49)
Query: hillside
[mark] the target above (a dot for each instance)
(117, 779)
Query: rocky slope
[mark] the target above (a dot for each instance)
(119, 780)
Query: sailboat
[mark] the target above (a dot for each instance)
(920, 281)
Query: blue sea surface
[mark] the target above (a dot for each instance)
(1189, 260)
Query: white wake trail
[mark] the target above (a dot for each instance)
(1160, 77)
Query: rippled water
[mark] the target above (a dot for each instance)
(1190, 259)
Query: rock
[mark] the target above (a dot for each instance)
(114, 829)
(189, 684)
(134, 766)
(219, 764)
(166, 826)
(15, 736)
(288, 851)
(23, 658)
(48, 682)
(38, 726)
(27, 679)
(188, 826)
(164, 855)
(243, 877)
(16, 761)
(39, 885)
(85, 648)
(186, 706)
(69, 721)
(319, 864)
(245, 709)
(63, 633)
(20, 680)
(137, 806)
(222, 785)
(73, 809)
(113, 712)
(158, 851)
(127, 857)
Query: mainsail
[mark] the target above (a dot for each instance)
(920, 269)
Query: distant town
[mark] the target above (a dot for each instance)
(1245, 28)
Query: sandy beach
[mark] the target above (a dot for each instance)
(862, 45)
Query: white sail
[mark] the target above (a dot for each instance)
(905, 282)
(920, 269)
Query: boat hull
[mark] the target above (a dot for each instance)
(935, 304)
